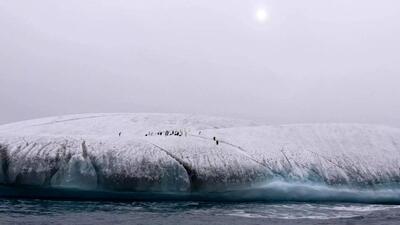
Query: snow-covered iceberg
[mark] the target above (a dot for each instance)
(123, 154)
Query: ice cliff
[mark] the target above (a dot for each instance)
(123, 153)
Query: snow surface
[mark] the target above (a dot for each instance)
(86, 152)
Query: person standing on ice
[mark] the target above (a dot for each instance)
(119, 134)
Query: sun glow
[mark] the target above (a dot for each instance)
(262, 15)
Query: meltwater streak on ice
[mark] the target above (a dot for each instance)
(83, 156)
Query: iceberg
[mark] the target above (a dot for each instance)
(177, 156)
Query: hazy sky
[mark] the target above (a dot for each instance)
(311, 61)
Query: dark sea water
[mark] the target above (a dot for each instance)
(75, 212)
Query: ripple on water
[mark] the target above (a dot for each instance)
(20, 211)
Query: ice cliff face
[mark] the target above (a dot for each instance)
(112, 152)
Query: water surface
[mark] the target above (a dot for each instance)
(75, 212)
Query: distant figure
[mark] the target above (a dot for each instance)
(199, 132)
(217, 142)
(119, 134)
(145, 135)
(214, 138)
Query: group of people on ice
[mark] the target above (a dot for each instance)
(216, 140)
(178, 133)
(168, 133)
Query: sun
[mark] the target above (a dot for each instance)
(262, 15)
